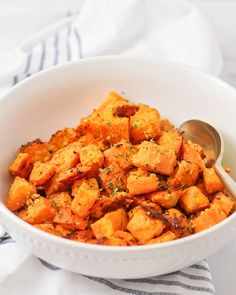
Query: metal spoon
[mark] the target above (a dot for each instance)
(211, 141)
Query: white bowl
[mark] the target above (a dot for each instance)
(59, 97)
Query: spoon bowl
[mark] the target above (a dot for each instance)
(212, 143)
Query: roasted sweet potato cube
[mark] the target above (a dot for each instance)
(41, 173)
(193, 200)
(22, 165)
(171, 139)
(119, 154)
(145, 227)
(165, 237)
(48, 228)
(208, 218)
(37, 150)
(185, 174)
(104, 205)
(67, 157)
(60, 199)
(68, 220)
(62, 138)
(82, 235)
(125, 236)
(166, 125)
(166, 199)
(115, 130)
(225, 203)
(110, 223)
(68, 177)
(111, 241)
(53, 185)
(155, 158)
(85, 195)
(39, 210)
(142, 182)
(211, 180)
(177, 221)
(193, 153)
(125, 110)
(19, 192)
(91, 156)
(113, 179)
(145, 124)
(113, 100)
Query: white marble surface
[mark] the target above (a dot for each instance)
(222, 14)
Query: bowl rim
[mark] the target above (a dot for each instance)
(101, 248)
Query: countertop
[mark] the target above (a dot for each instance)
(221, 13)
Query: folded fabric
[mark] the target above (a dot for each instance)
(159, 29)
(22, 273)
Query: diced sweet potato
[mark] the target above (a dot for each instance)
(165, 237)
(211, 180)
(193, 153)
(111, 130)
(125, 110)
(91, 156)
(82, 236)
(84, 197)
(226, 204)
(67, 157)
(41, 173)
(141, 182)
(119, 154)
(185, 174)
(171, 139)
(60, 199)
(113, 179)
(193, 200)
(110, 223)
(107, 204)
(62, 138)
(178, 222)
(39, 210)
(37, 150)
(201, 186)
(155, 158)
(53, 185)
(19, 192)
(125, 236)
(111, 241)
(48, 228)
(68, 220)
(68, 177)
(208, 218)
(145, 124)
(145, 227)
(166, 125)
(22, 165)
(110, 103)
(166, 199)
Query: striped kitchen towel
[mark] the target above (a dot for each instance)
(23, 274)
(106, 27)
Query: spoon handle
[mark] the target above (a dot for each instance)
(229, 183)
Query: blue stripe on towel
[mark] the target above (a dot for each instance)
(15, 80)
(68, 49)
(127, 290)
(192, 277)
(56, 55)
(43, 54)
(5, 239)
(77, 35)
(28, 64)
(197, 266)
(172, 283)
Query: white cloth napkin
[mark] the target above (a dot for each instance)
(159, 29)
